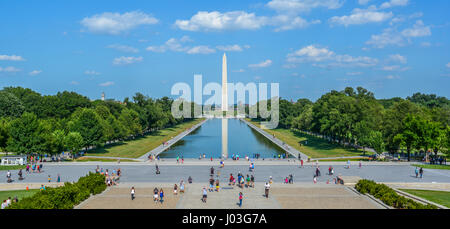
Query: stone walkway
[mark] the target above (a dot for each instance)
(282, 196)
(291, 150)
(162, 148)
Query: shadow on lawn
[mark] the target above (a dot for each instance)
(316, 143)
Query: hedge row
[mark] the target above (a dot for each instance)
(64, 197)
(389, 196)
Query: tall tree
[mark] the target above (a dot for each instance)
(88, 124)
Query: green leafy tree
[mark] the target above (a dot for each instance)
(10, 105)
(4, 133)
(410, 133)
(89, 125)
(26, 134)
(74, 142)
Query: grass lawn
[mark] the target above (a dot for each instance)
(84, 159)
(316, 147)
(140, 146)
(12, 167)
(439, 197)
(432, 166)
(19, 193)
(345, 160)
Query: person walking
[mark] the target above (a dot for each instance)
(161, 196)
(132, 193)
(421, 172)
(175, 189)
(204, 195)
(155, 195)
(266, 189)
(417, 172)
(240, 199)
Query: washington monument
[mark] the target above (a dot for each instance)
(224, 84)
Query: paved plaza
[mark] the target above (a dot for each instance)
(282, 196)
(302, 194)
(145, 172)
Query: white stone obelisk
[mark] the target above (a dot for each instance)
(224, 84)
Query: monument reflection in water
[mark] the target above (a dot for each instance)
(225, 137)
(212, 139)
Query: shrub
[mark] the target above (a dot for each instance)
(389, 196)
(64, 197)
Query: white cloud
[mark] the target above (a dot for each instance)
(263, 64)
(241, 20)
(123, 48)
(106, 84)
(230, 48)
(176, 45)
(392, 37)
(310, 53)
(116, 23)
(35, 72)
(448, 65)
(11, 58)
(91, 72)
(10, 69)
(316, 54)
(74, 83)
(287, 22)
(240, 70)
(398, 58)
(393, 3)
(123, 60)
(215, 20)
(418, 30)
(201, 49)
(362, 16)
(388, 37)
(303, 5)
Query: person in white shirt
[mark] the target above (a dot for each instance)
(8, 202)
(4, 204)
(266, 189)
(132, 193)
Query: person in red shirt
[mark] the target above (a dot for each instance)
(240, 199)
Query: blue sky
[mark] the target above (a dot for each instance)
(391, 47)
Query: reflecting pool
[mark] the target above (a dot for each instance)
(219, 137)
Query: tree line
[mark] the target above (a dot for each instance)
(67, 121)
(357, 118)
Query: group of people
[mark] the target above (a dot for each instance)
(111, 178)
(289, 179)
(158, 194)
(419, 172)
(248, 181)
(437, 160)
(6, 203)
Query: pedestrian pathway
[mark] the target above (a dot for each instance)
(169, 143)
(289, 149)
(281, 196)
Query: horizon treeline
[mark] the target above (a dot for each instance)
(67, 121)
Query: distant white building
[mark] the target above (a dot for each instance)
(14, 160)
(103, 96)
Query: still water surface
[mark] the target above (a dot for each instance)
(208, 139)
